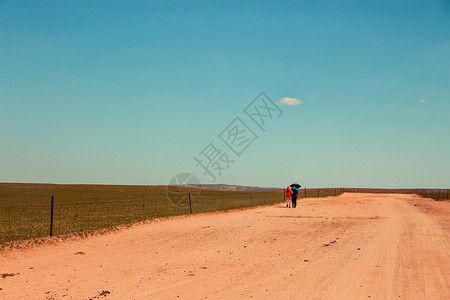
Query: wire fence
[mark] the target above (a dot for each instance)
(436, 194)
(35, 211)
(34, 216)
(433, 194)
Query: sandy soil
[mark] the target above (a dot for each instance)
(355, 246)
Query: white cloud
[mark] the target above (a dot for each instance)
(422, 100)
(290, 101)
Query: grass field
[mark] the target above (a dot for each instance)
(25, 209)
(436, 194)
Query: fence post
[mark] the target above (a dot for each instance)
(190, 203)
(318, 190)
(305, 192)
(51, 219)
(251, 198)
(143, 207)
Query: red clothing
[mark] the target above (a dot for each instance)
(288, 193)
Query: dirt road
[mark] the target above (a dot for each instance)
(355, 246)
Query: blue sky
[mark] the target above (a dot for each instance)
(117, 92)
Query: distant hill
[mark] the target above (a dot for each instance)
(233, 188)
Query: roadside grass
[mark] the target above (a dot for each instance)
(436, 194)
(25, 209)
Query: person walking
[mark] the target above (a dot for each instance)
(288, 197)
(294, 196)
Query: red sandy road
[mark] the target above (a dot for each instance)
(385, 248)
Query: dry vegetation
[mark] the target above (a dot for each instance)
(25, 209)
